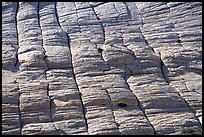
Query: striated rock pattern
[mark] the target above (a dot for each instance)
(94, 68)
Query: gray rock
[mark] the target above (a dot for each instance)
(10, 124)
(35, 116)
(131, 121)
(39, 129)
(71, 127)
(100, 121)
(95, 68)
(9, 34)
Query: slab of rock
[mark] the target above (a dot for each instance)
(39, 129)
(11, 123)
(9, 34)
(131, 121)
(100, 121)
(101, 68)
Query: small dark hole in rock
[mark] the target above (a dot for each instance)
(122, 105)
(100, 50)
(117, 124)
(103, 104)
(179, 41)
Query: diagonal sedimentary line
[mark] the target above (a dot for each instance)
(179, 45)
(10, 93)
(190, 37)
(167, 39)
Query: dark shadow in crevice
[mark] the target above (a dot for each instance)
(121, 104)
(165, 72)
(100, 50)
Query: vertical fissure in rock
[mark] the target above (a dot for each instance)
(139, 103)
(111, 107)
(127, 75)
(128, 10)
(57, 17)
(17, 61)
(101, 24)
(188, 105)
(140, 106)
(17, 67)
(180, 42)
(163, 67)
(47, 68)
(80, 94)
(72, 67)
(116, 11)
(146, 42)
(126, 81)
(164, 70)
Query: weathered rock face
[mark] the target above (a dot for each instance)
(101, 68)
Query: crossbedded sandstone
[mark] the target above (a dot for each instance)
(102, 68)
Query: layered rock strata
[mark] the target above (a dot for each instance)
(96, 68)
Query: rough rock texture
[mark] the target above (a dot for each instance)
(96, 68)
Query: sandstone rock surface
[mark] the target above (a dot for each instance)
(101, 68)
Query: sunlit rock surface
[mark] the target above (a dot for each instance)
(96, 68)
